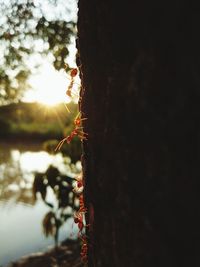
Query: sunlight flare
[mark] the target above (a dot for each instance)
(49, 87)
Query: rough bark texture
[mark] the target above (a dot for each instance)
(140, 68)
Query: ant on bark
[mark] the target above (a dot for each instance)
(79, 216)
(76, 132)
(73, 74)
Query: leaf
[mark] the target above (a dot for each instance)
(49, 224)
(39, 186)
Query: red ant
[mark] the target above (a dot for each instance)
(78, 218)
(78, 188)
(78, 120)
(84, 249)
(76, 132)
(69, 138)
(73, 73)
(79, 184)
(81, 204)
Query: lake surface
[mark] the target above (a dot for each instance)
(21, 216)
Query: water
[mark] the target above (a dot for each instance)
(21, 231)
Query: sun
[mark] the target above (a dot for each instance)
(49, 87)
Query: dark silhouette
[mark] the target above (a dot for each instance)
(65, 198)
(139, 62)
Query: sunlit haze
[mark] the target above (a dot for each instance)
(49, 87)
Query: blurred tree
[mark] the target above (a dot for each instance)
(28, 30)
(140, 94)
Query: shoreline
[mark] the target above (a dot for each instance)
(67, 254)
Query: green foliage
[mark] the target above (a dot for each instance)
(57, 34)
(26, 31)
(33, 120)
(4, 126)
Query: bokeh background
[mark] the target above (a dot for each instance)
(37, 42)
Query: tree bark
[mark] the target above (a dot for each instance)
(140, 65)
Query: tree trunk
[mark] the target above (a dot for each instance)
(140, 67)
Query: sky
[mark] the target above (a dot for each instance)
(49, 86)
